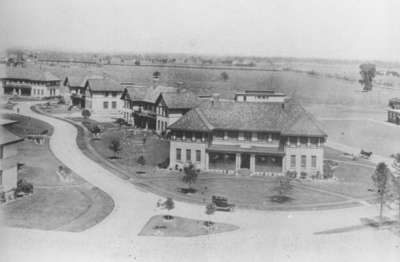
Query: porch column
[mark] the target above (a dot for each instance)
(252, 163)
(237, 161)
(207, 161)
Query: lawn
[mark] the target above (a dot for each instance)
(155, 150)
(73, 205)
(246, 192)
(182, 227)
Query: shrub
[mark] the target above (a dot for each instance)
(303, 175)
(24, 186)
(210, 209)
(164, 164)
(291, 174)
(141, 161)
(115, 146)
(169, 204)
(86, 113)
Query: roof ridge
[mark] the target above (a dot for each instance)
(203, 118)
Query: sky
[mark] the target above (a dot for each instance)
(339, 29)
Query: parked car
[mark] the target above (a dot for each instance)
(221, 204)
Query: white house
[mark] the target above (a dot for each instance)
(259, 138)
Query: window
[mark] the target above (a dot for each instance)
(1, 177)
(114, 104)
(262, 136)
(314, 161)
(105, 104)
(303, 161)
(293, 140)
(178, 154)
(114, 94)
(303, 140)
(219, 134)
(158, 124)
(188, 155)
(247, 135)
(198, 155)
(198, 135)
(293, 161)
(106, 94)
(233, 134)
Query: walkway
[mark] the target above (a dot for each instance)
(263, 236)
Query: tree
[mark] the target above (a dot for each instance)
(120, 122)
(137, 62)
(367, 72)
(86, 113)
(115, 146)
(141, 161)
(380, 178)
(283, 188)
(224, 76)
(190, 176)
(95, 130)
(169, 205)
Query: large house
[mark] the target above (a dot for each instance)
(139, 104)
(28, 82)
(170, 106)
(394, 111)
(8, 161)
(258, 138)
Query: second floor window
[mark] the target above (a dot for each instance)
(178, 154)
(233, 134)
(314, 161)
(105, 104)
(198, 155)
(188, 155)
(247, 135)
(114, 104)
(219, 134)
(304, 161)
(293, 161)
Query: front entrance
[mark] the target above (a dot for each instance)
(245, 161)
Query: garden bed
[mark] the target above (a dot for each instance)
(183, 227)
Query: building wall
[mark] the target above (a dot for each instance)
(8, 166)
(260, 98)
(394, 116)
(96, 103)
(184, 146)
(298, 152)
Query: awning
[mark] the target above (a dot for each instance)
(251, 149)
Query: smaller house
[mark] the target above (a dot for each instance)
(8, 161)
(170, 106)
(76, 88)
(29, 82)
(103, 96)
(394, 111)
(259, 96)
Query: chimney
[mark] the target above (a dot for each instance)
(156, 78)
(214, 98)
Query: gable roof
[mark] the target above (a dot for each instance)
(27, 73)
(180, 100)
(79, 81)
(103, 84)
(154, 92)
(288, 118)
(134, 92)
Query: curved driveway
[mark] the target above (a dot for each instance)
(263, 236)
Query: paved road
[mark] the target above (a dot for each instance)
(263, 236)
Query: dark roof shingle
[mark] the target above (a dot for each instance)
(27, 73)
(288, 118)
(103, 84)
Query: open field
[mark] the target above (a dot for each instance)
(55, 204)
(309, 89)
(378, 137)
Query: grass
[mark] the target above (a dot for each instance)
(182, 227)
(247, 192)
(154, 151)
(365, 134)
(55, 204)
